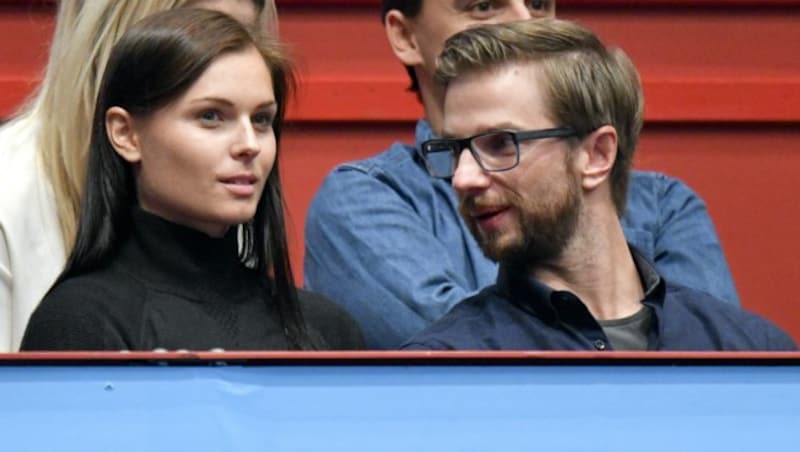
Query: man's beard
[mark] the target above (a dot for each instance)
(545, 225)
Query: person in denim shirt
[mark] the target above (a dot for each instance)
(385, 240)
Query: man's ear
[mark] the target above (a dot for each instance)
(599, 151)
(122, 134)
(400, 33)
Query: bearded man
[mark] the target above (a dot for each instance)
(385, 240)
(540, 123)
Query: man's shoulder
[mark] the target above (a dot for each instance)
(397, 172)
(652, 187)
(391, 175)
(460, 328)
(732, 327)
(655, 186)
(678, 296)
(397, 157)
(653, 200)
(702, 303)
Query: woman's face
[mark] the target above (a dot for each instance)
(204, 158)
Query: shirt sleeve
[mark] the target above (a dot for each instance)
(425, 345)
(774, 338)
(779, 340)
(687, 248)
(371, 252)
(670, 224)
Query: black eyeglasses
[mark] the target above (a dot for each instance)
(494, 151)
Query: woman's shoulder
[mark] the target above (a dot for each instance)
(86, 291)
(106, 290)
(331, 321)
(80, 313)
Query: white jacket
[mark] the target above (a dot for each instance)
(31, 248)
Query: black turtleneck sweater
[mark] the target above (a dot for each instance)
(173, 287)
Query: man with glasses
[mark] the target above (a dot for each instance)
(540, 122)
(385, 240)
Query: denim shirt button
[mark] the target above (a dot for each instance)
(600, 345)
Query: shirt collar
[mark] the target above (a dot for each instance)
(423, 133)
(184, 261)
(541, 300)
(652, 282)
(528, 293)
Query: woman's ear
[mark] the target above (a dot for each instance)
(122, 134)
(400, 33)
(600, 153)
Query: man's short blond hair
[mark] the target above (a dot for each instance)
(586, 85)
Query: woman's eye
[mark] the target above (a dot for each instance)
(210, 116)
(263, 120)
(481, 7)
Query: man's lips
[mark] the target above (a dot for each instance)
(488, 217)
(486, 212)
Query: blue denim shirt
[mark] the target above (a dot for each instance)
(386, 241)
(521, 313)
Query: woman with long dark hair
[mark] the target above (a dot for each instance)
(43, 147)
(181, 240)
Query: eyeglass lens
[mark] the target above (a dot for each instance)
(496, 151)
(440, 158)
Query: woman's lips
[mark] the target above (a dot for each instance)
(240, 185)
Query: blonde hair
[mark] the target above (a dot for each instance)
(86, 31)
(587, 85)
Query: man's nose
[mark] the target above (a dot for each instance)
(468, 175)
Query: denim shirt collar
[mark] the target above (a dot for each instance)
(423, 133)
(551, 305)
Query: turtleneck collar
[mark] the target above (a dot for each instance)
(184, 261)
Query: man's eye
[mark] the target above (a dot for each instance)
(538, 6)
(495, 144)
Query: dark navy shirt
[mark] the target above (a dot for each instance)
(521, 313)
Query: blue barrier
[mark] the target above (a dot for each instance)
(221, 404)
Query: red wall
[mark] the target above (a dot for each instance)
(722, 81)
